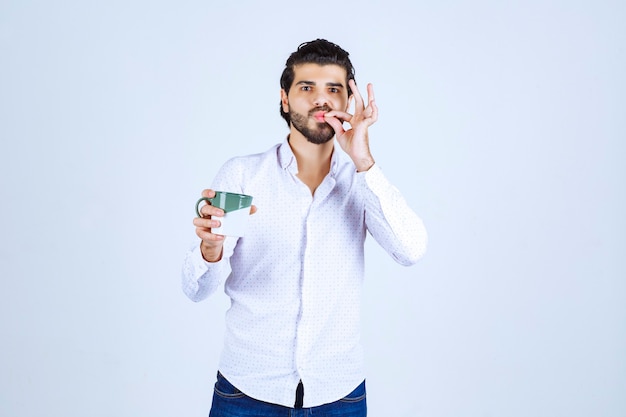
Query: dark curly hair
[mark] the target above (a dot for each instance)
(319, 51)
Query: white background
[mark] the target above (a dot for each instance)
(503, 123)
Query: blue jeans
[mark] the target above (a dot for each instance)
(228, 401)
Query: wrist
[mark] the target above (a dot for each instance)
(211, 253)
(364, 164)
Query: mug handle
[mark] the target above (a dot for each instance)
(207, 199)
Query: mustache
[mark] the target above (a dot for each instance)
(321, 108)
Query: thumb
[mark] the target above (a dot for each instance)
(336, 124)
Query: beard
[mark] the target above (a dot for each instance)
(320, 134)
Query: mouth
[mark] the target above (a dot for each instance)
(319, 116)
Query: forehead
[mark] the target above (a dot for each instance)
(320, 73)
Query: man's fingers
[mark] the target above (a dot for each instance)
(208, 236)
(203, 229)
(341, 115)
(208, 210)
(208, 193)
(371, 103)
(335, 123)
(206, 223)
(358, 99)
(370, 93)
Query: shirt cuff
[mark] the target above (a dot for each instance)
(201, 278)
(375, 179)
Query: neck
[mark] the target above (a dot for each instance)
(313, 160)
(311, 157)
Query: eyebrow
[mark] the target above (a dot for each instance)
(304, 82)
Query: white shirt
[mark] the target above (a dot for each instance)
(295, 279)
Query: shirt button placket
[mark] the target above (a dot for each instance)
(303, 335)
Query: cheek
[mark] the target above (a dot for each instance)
(343, 104)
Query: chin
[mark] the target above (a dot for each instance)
(320, 137)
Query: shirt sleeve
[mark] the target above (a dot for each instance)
(394, 225)
(201, 278)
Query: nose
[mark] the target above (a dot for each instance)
(321, 99)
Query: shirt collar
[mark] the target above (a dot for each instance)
(287, 159)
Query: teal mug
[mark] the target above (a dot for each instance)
(236, 212)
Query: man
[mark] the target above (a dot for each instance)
(292, 331)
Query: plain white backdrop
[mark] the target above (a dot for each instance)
(501, 122)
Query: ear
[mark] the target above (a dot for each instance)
(284, 100)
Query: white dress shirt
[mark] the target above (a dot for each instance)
(295, 279)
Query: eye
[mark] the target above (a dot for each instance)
(306, 88)
(333, 90)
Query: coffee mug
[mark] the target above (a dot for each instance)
(236, 212)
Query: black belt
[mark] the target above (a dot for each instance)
(299, 395)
